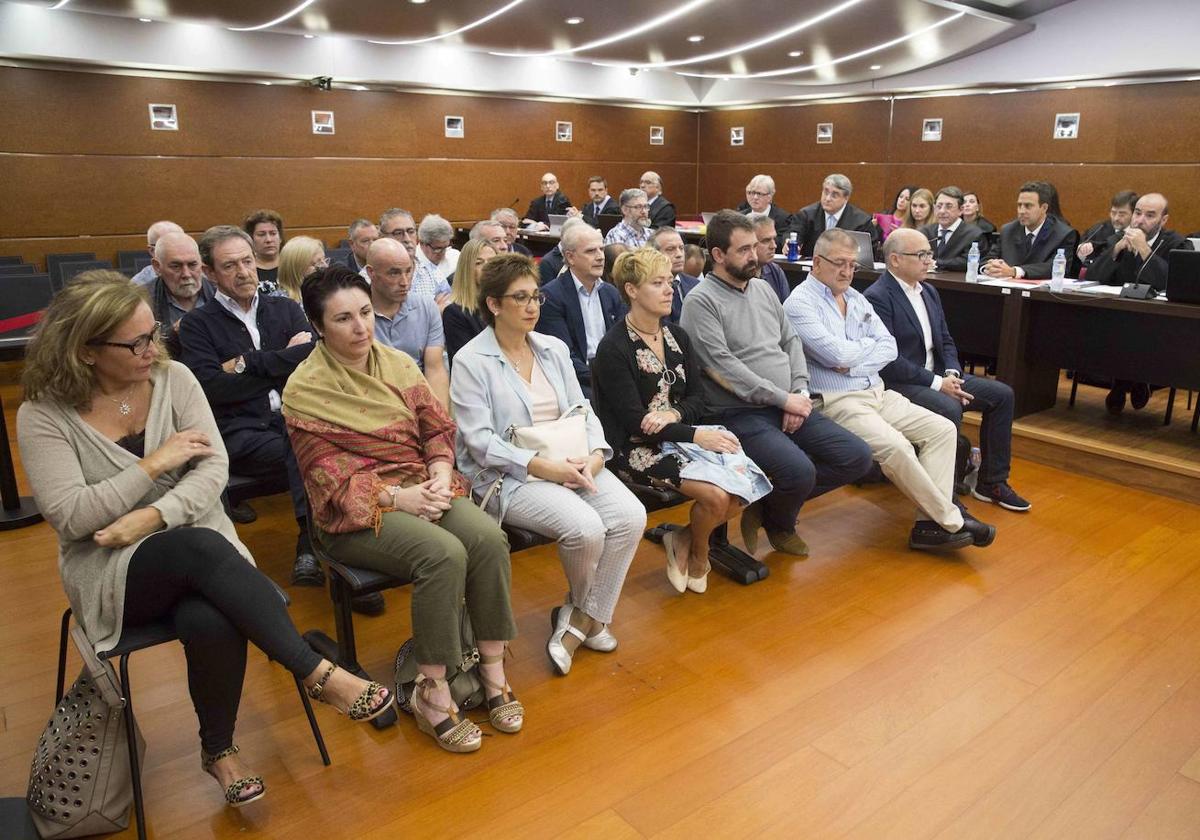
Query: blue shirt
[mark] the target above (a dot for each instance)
(427, 282)
(593, 314)
(415, 326)
(859, 341)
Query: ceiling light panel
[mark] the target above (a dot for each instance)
(466, 28)
(286, 16)
(619, 37)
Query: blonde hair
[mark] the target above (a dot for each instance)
(636, 267)
(909, 222)
(294, 259)
(90, 308)
(465, 289)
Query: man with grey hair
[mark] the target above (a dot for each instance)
(433, 237)
(834, 210)
(362, 233)
(242, 346)
(846, 346)
(662, 212)
(491, 232)
(634, 229)
(146, 276)
(760, 198)
(668, 242)
(511, 222)
(765, 242)
(398, 224)
(179, 285)
(552, 261)
(579, 306)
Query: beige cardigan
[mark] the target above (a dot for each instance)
(84, 482)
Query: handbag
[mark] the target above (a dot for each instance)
(555, 440)
(465, 686)
(80, 782)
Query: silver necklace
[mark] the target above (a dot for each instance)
(122, 404)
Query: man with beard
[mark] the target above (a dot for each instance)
(634, 229)
(756, 385)
(179, 285)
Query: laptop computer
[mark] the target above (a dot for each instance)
(707, 217)
(1183, 277)
(556, 223)
(866, 249)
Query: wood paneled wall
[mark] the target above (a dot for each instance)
(78, 157)
(1140, 137)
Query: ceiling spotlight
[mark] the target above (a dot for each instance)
(417, 2)
(573, 21)
(795, 53)
(876, 66)
(310, 36)
(268, 84)
(695, 39)
(145, 20)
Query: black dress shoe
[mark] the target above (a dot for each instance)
(368, 604)
(874, 476)
(1115, 401)
(306, 571)
(242, 513)
(929, 536)
(981, 533)
(1139, 395)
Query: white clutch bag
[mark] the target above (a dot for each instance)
(555, 440)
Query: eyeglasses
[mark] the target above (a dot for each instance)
(638, 207)
(921, 255)
(437, 249)
(396, 233)
(757, 194)
(523, 298)
(137, 347)
(840, 265)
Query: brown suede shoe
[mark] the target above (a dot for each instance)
(751, 522)
(788, 542)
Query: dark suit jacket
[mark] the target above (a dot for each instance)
(686, 283)
(609, 208)
(518, 248)
(352, 263)
(953, 257)
(893, 308)
(783, 222)
(809, 223)
(1128, 267)
(1098, 234)
(562, 317)
(210, 335)
(550, 266)
(662, 212)
(459, 326)
(1009, 246)
(776, 278)
(537, 208)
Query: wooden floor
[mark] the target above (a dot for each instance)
(1046, 687)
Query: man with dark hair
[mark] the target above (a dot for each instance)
(834, 210)
(362, 233)
(668, 241)
(242, 346)
(764, 251)
(600, 204)
(1095, 240)
(1026, 247)
(926, 369)
(399, 224)
(756, 384)
(265, 229)
(662, 212)
(950, 235)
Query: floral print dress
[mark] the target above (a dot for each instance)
(644, 462)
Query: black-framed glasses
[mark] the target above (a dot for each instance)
(137, 347)
(757, 193)
(840, 265)
(396, 233)
(437, 249)
(523, 298)
(921, 255)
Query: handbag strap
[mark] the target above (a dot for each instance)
(102, 672)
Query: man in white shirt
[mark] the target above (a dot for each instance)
(433, 252)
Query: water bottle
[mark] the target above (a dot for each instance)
(1058, 271)
(971, 479)
(793, 247)
(973, 263)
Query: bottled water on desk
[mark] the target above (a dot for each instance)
(973, 263)
(1058, 271)
(793, 247)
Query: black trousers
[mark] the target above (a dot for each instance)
(259, 453)
(195, 579)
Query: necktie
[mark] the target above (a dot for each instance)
(830, 221)
(596, 212)
(1028, 244)
(943, 237)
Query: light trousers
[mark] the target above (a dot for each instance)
(597, 533)
(891, 425)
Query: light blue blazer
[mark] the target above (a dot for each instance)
(487, 396)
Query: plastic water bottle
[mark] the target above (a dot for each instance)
(973, 263)
(1058, 271)
(793, 247)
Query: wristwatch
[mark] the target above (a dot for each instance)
(240, 365)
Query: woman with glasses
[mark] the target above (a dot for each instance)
(128, 467)
(510, 377)
(376, 449)
(300, 257)
(460, 319)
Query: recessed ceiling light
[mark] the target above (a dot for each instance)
(310, 36)
(145, 20)
(795, 53)
(268, 84)
(573, 21)
(416, 2)
(876, 66)
(695, 39)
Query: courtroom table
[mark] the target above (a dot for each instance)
(541, 243)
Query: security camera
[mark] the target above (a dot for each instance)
(633, 71)
(322, 82)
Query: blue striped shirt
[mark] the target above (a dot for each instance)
(859, 343)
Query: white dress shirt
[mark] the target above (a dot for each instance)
(593, 314)
(250, 319)
(922, 311)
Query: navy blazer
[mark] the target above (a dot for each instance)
(537, 207)
(1009, 246)
(809, 223)
(210, 336)
(776, 278)
(610, 207)
(686, 283)
(550, 266)
(953, 257)
(662, 212)
(562, 317)
(896, 313)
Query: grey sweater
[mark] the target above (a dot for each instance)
(84, 482)
(750, 353)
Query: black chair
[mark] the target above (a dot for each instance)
(126, 260)
(9, 269)
(54, 266)
(11, 260)
(24, 298)
(71, 269)
(242, 488)
(132, 640)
